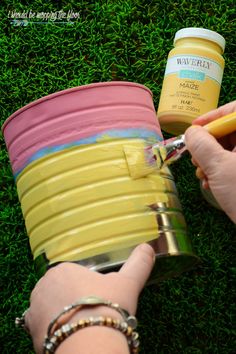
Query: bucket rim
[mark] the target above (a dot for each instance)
(69, 90)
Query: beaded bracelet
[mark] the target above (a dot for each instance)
(52, 342)
(92, 301)
(56, 335)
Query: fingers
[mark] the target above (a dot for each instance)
(216, 113)
(139, 265)
(201, 175)
(205, 150)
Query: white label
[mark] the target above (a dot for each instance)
(194, 68)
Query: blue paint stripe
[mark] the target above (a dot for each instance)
(132, 133)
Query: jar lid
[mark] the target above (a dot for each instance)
(200, 33)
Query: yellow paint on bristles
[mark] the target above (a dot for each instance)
(140, 160)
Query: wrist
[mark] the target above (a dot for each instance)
(114, 322)
(75, 316)
(99, 340)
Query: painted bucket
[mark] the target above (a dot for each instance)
(78, 200)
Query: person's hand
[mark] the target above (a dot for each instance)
(68, 282)
(215, 160)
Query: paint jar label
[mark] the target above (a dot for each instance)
(194, 67)
(191, 85)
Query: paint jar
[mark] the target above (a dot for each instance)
(78, 200)
(192, 78)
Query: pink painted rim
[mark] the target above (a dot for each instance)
(72, 89)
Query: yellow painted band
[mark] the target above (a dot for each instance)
(79, 157)
(87, 196)
(81, 202)
(89, 216)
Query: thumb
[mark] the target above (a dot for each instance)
(204, 148)
(139, 265)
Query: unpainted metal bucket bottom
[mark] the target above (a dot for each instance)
(174, 255)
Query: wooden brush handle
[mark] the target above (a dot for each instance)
(222, 126)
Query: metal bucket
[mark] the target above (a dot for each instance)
(78, 200)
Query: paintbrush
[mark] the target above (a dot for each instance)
(143, 160)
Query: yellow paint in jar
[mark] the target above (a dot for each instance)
(192, 80)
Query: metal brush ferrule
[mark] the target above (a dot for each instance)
(174, 149)
(169, 151)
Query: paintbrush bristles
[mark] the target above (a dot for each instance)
(142, 160)
(159, 151)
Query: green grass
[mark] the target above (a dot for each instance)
(120, 40)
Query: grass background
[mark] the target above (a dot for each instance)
(120, 40)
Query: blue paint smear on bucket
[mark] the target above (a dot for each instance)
(132, 133)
